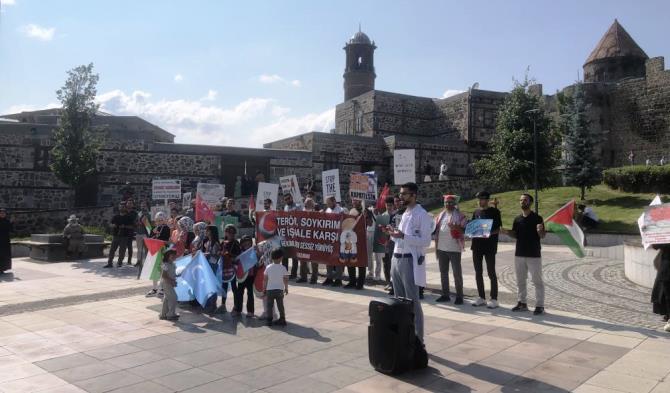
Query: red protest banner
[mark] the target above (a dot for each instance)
(330, 239)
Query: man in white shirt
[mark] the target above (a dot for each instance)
(333, 273)
(412, 237)
(449, 228)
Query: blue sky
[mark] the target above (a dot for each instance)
(246, 72)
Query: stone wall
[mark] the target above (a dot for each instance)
(639, 113)
(453, 116)
(54, 220)
(355, 116)
(483, 114)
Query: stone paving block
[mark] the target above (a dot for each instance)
(143, 387)
(622, 382)
(135, 359)
(107, 382)
(186, 379)
(88, 371)
(341, 376)
(302, 385)
(226, 385)
(18, 371)
(63, 362)
(612, 339)
(160, 368)
(381, 383)
(31, 384)
(589, 354)
(264, 377)
(113, 351)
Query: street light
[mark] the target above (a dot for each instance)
(535, 112)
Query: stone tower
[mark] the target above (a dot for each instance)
(616, 56)
(359, 71)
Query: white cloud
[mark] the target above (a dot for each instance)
(38, 32)
(28, 108)
(178, 78)
(452, 92)
(274, 78)
(8, 2)
(211, 95)
(250, 123)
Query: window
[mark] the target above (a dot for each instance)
(41, 161)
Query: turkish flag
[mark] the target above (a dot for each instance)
(381, 202)
(202, 210)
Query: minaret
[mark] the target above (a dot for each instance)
(359, 71)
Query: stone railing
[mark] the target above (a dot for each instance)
(44, 221)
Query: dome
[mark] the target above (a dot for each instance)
(360, 38)
(616, 43)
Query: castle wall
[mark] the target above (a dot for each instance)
(640, 116)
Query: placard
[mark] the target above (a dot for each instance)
(186, 200)
(404, 167)
(207, 195)
(363, 186)
(331, 239)
(655, 226)
(289, 184)
(266, 191)
(165, 189)
(330, 180)
(480, 227)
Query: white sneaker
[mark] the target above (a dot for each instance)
(667, 327)
(479, 302)
(492, 304)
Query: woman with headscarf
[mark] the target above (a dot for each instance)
(182, 236)
(5, 247)
(198, 242)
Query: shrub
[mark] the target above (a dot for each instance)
(639, 178)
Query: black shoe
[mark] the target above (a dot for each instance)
(312, 282)
(520, 307)
(292, 276)
(119, 264)
(359, 287)
(107, 266)
(421, 293)
(280, 322)
(443, 299)
(336, 283)
(458, 301)
(269, 322)
(327, 281)
(301, 280)
(538, 311)
(173, 318)
(350, 285)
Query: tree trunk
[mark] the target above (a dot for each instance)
(583, 193)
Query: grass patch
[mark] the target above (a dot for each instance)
(618, 211)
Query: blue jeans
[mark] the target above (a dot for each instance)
(402, 275)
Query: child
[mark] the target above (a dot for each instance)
(230, 250)
(246, 242)
(169, 282)
(275, 286)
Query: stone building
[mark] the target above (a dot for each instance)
(629, 105)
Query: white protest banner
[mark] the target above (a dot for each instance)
(165, 189)
(186, 200)
(207, 195)
(363, 186)
(289, 184)
(404, 166)
(330, 180)
(655, 226)
(266, 191)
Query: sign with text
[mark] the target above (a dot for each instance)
(655, 226)
(330, 180)
(404, 166)
(363, 186)
(186, 200)
(266, 191)
(289, 184)
(480, 227)
(165, 189)
(331, 239)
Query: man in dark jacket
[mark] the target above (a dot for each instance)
(486, 248)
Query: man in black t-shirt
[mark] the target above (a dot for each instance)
(486, 248)
(528, 229)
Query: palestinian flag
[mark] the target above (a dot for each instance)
(151, 268)
(562, 224)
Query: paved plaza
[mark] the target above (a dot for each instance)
(75, 327)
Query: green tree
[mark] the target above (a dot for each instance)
(73, 156)
(511, 162)
(582, 164)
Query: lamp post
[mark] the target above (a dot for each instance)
(534, 112)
